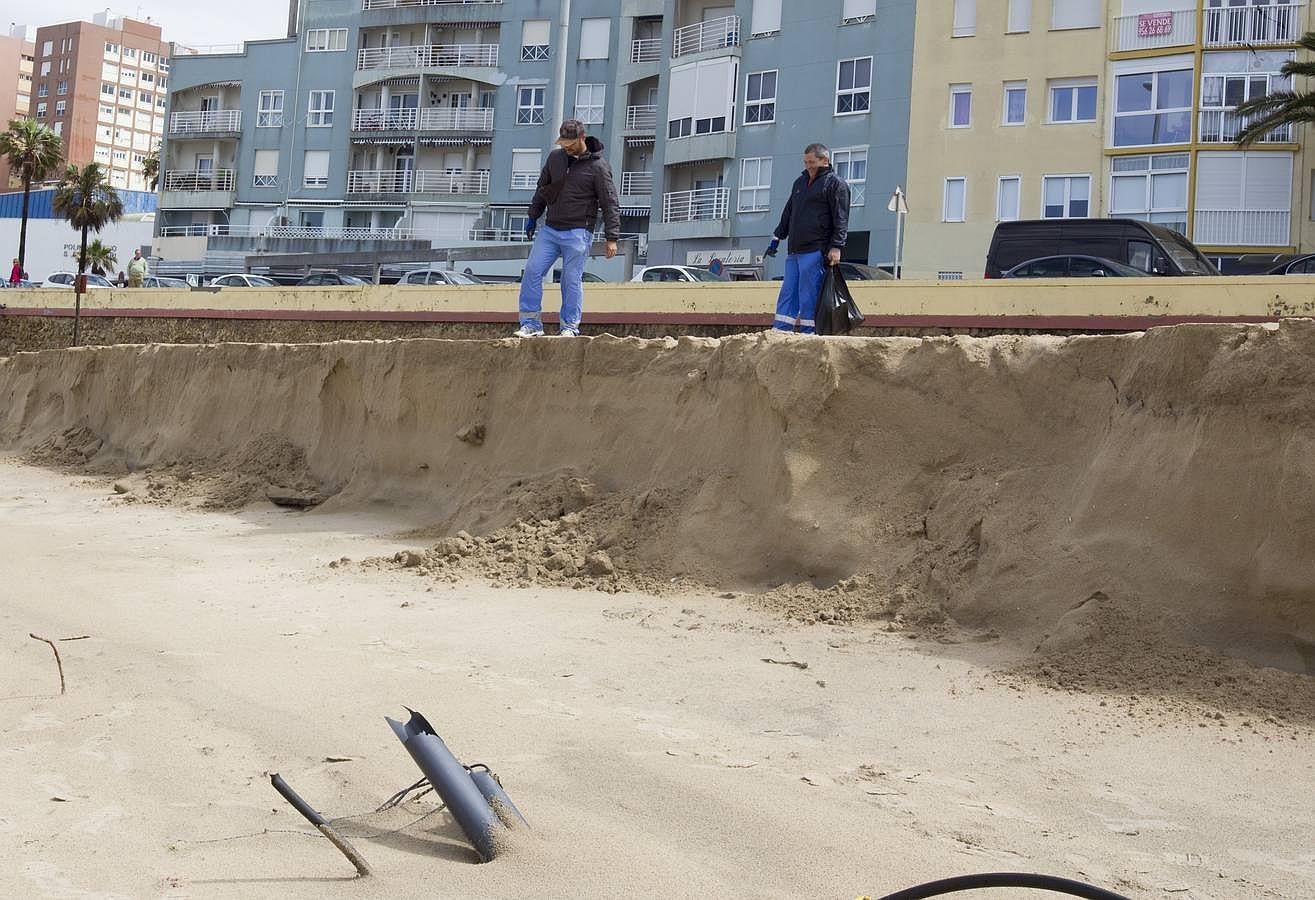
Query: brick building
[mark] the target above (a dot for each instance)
(16, 61)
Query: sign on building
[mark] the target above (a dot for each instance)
(743, 257)
(1156, 24)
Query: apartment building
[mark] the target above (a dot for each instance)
(16, 65)
(1071, 108)
(102, 86)
(386, 119)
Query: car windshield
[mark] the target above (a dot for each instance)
(703, 275)
(99, 281)
(261, 281)
(1185, 254)
(351, 279)
(461, 278)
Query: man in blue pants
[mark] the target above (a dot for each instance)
(816, 222)
(575, 184)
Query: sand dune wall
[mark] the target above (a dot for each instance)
(1170, 475)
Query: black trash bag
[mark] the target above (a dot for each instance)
(837, 313)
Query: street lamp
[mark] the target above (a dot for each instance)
(900, 208)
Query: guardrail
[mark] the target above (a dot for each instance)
(306, 232)
(708, 204)
(430, 56)
(646, 50)
(1242, 227)
(641, 118)
(399, 4)
(205, 121)
(636, 184)
(1222, 126)
(714, 34)
(215, 180)
(1255, 26)
(423, 181)
(1148, 31)
(423, 119)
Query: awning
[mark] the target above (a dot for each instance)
(296, 202)
(644, 141)
(384, 141)
(637, 212)
(453, 141)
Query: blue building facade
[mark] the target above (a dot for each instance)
(41, 204)
(412, 118)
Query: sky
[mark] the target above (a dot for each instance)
(191, 22)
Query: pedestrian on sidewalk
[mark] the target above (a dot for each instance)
(137, 269)
(16, 273)
(816, 223)
(574, 186)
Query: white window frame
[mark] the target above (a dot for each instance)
(962, 181)
(320, 116)
(535, 52)
(842, 162)
(1073, 84)
(1068, 194)
(965, 18)
(266, 180)
(1004, 113)
(1094, 23)
(270, 116)
(762, 23)
(1154, 73)
(999, 197)
(326, 40)
(755, 196)
(855, 12)
(1147, 211)
(317, 181)
(853, 92)
(533, 113)
(591, 110)
(596, 23)
(763, 100)
(526, 179)
(957, 90)
(1018, 10)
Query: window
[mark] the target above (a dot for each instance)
(702, 98)
(534, 39)
(270, 112)
(1232, 79)
(316, 169)
(110, 49)
(45, 69)
(60, 107)
(1015, 111)
(1153, 108)
(1150, 188)
(854, 11)
(595, 36)
(148, 78)
(1066, 196)
(961, 105)
(148, 59)
(1072, 101)
(755, 184)
(266, 173)
(851, 165)
(1007, 197)
(589, 103)
(965, 18)
(321, 109)
(62, 88)
(853, 86)
(1243, 198)
(48, 47)
(41, 110)
(955, 190)
(125, 93)
(525, 168)
(326, 40)
(129, 53)
(529, 106)
(766, 17)
(760, 98)
(43, 90)
(1075, 14)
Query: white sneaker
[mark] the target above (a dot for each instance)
(568, 331)
(526, 331)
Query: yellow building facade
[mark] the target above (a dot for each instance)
(1027, 109)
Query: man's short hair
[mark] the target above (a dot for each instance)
(818, 150)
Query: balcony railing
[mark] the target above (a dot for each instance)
(713, 34)
(424, 119)
(641, 118)
(1243, 227)
(439, 181)
(646, 50)
(1254, 26)
(209, 120)
(431, 56)
(706, 205)
(1222, 126)
(399, 4)
(636, 184)
(214, 180)
(1147, 31)
(524, 181)
(292, 231)
(501, 235)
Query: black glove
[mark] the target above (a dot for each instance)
(530, 227)
(772, 247)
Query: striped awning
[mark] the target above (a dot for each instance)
(384, 141)
(636, 212)
(454, 141)
(642, 141)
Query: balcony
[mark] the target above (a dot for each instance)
(641, 118)
(646, 50)
(1253, 26)
(433, 56)
(425, 181)
(406, 4)
(210, 121)
(714, 34)
(1149, 31)
(197, 190)
(636, 184)
(1222, 126)
(295, 232)
(1243, 227)
(706, 205)
(463, 120)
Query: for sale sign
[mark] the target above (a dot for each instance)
(1156, 24)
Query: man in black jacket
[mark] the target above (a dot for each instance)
(816, 221)
(574, 185)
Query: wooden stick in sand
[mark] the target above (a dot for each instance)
(344, 846)
(58, 662)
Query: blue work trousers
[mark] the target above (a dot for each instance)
(804, 274)
(572, 247)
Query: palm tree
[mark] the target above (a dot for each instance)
(151, 168)
(101, 257)
(1281, 108)
(34, 153)
(89, 202)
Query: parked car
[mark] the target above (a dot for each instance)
(1300, 265)
(660, 274)
(65, 280)
(437, 276)
(1073, 267)
(22, 284)
(162, 281)
(331, 278)
(1152, 249)
(586, 277)
(859, 272)
(243, 281)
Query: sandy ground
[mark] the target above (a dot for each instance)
(652, 748)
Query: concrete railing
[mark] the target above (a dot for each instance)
(714, 34)
(215, 180)
(708, 204)
(202, 121)
(431, 56)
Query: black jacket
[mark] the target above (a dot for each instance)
(573, 190)
(816, 217)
